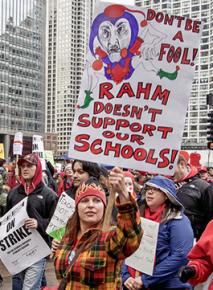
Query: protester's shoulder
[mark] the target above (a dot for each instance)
(197, 183)
(14, 190)
(47, 191)
(200, 182)
(71, 192)
(209, 226)
(185, 219)
(180, 219)
(181, 225)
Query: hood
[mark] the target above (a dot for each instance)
(192, 172)
(167, 186)
(37, 178)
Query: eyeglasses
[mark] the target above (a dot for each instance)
(151, 189)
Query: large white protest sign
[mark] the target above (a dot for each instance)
(38, 148)
(135, 88)
(144, 258)
(20, 247)
(64, 209)
(18, 144)
(38, 145)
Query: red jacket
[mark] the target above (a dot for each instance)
(201, 257)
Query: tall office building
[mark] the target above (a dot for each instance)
(194, 135)
(22, 74)
(68, 29)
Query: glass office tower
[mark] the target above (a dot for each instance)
(22, 69)
(68, 28)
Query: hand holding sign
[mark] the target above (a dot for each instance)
(116, 180)
(31, 223)
(133, 283)
(55, 244)
(117, 185)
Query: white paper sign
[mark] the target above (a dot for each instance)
(38, 145)
(144, 258)
(58, 166)
(18, 144)
(64, 209)
(132, 102)
(20, 247)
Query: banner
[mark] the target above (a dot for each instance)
(2, 150)
(144, 258)
(18, 144)
(64, 210)
(20, 247)
(132, 102)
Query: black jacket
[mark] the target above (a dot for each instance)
(196, 195)
(41, 205)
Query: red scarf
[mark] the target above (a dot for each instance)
(155, 216)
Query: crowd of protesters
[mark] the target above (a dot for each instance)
(87, 257)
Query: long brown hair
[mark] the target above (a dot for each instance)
(72, 227)
(72, 230)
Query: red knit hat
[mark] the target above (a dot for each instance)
(90, 190)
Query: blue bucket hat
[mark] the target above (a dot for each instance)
(167, 186)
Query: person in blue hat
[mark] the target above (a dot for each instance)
(175, 238)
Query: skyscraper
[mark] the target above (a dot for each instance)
(22, 75)
(68, 28)
(194, 135)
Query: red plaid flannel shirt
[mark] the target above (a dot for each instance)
(99, 267)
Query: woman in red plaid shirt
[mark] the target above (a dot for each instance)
(87, 257)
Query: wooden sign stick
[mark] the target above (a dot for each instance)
(108, 212)
(16, 169)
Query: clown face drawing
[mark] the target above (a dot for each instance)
(120, 43)
(114, 41)
(114, 38)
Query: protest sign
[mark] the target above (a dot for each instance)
(132, 102)
(18, 144)
(38, 145)
(58, 166)
(48, 154)
(20, 247)
(144, 258)
(2, 150)
(64, 209)
(38, 148)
